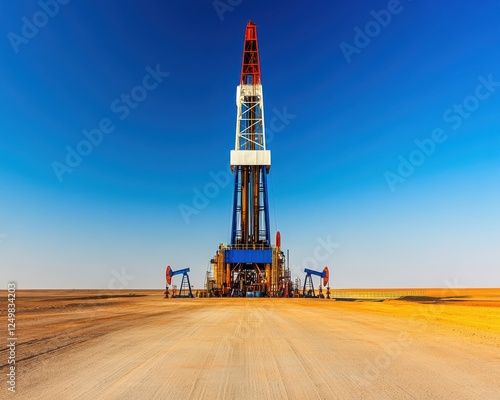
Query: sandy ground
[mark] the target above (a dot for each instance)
(121, 345)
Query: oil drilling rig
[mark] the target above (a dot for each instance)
(250, 265)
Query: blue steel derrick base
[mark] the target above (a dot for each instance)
(250, 265)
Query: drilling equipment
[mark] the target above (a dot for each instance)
(308, 290)
(185, 284)
(250, 266)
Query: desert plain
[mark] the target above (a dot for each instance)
(134, 344)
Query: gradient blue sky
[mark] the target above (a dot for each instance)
(114, 221)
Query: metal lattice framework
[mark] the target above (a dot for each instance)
(250, 160)
(250, 264)
(250, 129)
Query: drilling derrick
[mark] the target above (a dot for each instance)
(250, 265)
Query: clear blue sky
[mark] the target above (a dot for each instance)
(349, 91)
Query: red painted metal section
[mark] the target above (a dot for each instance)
(168, 274)
(250, 71)
(278, 239)
(326, 276)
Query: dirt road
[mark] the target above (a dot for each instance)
(80, 346)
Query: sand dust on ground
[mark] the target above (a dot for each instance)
(88, 344)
